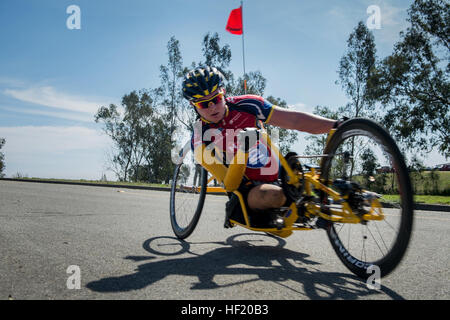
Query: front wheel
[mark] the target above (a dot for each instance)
(362, 153)
(187, 197)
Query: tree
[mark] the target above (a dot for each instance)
(431, 184)
(115, 129)
(413, 82)
(157, 149)
(216, 56)
(286, 138)
(127, 131)
(141, 137)
(2, 157)
(369, 163)
(256, 84)
(171, 76)
(355, 70)
(416, 168)
(317, 143)
(184, 173)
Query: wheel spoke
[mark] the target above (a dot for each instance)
(375, 240)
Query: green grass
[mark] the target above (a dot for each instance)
(142, 184)
(422, 181)
(421, 199)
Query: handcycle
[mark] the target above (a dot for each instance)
(366, 209)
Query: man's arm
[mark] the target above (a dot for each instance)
(302, 121)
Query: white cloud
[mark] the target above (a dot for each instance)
(53, 151)
(75, 116)
(40, 139)
(58, 152)
(49, 97)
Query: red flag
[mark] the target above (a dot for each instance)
(234, 24)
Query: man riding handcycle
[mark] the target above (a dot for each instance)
(274, 193)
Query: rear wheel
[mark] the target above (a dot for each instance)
(362, 152)
(187, 197)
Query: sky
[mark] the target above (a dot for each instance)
(54, 77)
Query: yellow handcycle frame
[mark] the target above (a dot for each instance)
(311, 180)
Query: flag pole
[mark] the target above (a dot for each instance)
(243, 51)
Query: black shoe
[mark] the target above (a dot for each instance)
(230, 208)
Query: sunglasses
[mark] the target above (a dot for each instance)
(205, 104)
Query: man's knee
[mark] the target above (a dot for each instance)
(278, 198)
(267, 196)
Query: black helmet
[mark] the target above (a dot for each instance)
(201, 82)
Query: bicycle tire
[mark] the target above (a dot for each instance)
(184, 232)
(398, 249)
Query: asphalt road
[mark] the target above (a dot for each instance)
(121, 245)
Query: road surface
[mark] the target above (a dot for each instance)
(80, 242)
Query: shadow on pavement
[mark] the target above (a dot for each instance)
(234, 257)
